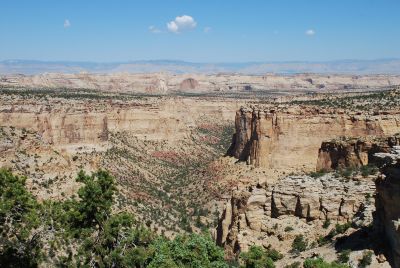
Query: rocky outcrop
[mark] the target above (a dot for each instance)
(263, 214)
(291, 137)
(353, 152)
(188, 84)
(159, 85)
(387, 201)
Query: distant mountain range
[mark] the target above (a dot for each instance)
(30, 67)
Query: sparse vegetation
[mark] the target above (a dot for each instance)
(342, 228)
(296, 264)
(344, 256)
(366, 259)
(299, 244)
(320, 263)
(326, 224)
(318, 174)
(288, 229)
(368, 170)
(256, 257)
(357, 102)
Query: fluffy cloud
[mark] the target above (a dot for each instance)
(310, 32)
(181, 23)
(67, 24)
(154, 29)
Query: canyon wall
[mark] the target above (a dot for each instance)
(387, 201)
(290, 137)
(86, 123)
(275, 213)
(353, 152)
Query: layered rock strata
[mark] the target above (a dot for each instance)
(291, 137)
(274, 214)
(353, 152)
(73, 123)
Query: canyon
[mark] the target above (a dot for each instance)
(352, 193)
(333, 157)
(253, 168)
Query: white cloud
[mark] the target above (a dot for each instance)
(154, 29)
(310, 32)
(207, 29)
(67, 24)
(181, 23)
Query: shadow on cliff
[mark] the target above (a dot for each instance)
(365, 238)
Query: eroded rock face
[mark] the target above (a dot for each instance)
(188, 84)
(262, 214)
(72, 123)
(291, 137)
(352, 152)
(387, 201)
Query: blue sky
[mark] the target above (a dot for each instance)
(210, 31)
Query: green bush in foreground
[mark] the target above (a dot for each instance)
(85, 232)
(256, 257)
(19, 223)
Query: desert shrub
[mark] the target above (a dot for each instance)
(323, 240)
(326, 224)
(366, 260)
(344, 256)
(321, 263)
(347, 172)
(318, 174)
(274, 254)
(296, 264)
(288, 229)
(368, 170)
(342, 228)
(256, 257)
(299, 244)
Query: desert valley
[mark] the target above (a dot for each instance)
(200, 134)
(303, 166)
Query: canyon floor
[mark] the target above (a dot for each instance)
(251, 166)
